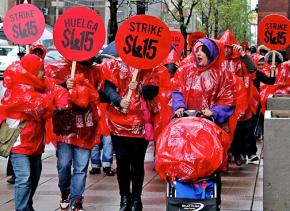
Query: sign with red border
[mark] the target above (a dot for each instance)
(177, 41)
(23, 24)
(274, 32)
(143, 41)
(79, 34)
(194, 36)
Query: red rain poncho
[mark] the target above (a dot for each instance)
(163, 100)
(190, 148)
(29, 99)
(130, 124)
(164, 97)
(206, 87)
(236, 66)
(281, 86)
(76, 125)
(103, 127)
(39, 46)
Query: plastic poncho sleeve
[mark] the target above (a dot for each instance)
(30, 106)
(177, 101)
(227, 93)
(222, 113)
(110, 70)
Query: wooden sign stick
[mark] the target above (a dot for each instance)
(272, 72)
(134, 77)
(27, 49)
(130, 92)
(73, 69)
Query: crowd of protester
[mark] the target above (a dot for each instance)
(81, 116)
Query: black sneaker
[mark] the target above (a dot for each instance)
(253, 159)
(11, 180)
(95, 171)
(108, 171)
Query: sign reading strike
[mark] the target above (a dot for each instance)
(177, 40)
(23, 24)
(79, 34)
(274, 32)
(143, 41)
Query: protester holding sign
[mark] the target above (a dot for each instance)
(274, 34)
(142, 42)
(75, 128)
(79, 34)
(126, 123)
(280, 71)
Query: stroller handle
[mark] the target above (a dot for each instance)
(188, 113)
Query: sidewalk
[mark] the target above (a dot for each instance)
(242, 188)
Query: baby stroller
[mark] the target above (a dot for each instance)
(203, 194)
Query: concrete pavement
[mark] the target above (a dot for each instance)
(242, 188)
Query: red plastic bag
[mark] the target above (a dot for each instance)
(190, 148)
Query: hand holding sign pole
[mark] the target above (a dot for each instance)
(79, 34)
(130, 91)
(142, 42)
(134, 78)
(274, 33)
(24, 24)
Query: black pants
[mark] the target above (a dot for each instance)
(9, 168)
(244, 141)
(130, 155)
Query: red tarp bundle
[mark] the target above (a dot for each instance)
(190, 148)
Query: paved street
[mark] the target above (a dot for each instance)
(242, 188)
